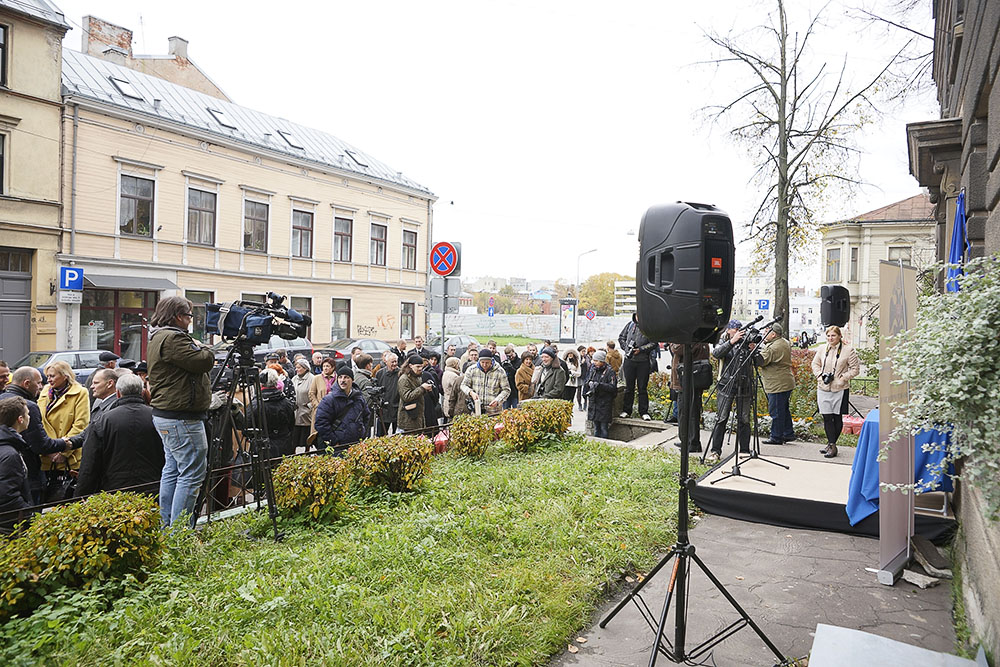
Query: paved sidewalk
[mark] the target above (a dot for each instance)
(788, 581)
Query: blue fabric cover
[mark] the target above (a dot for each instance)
(959, 250)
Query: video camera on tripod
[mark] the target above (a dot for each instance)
(254, 323)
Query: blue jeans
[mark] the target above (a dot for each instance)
(781, 416)
(185, 452)
(601, 429)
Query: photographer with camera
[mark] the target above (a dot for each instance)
(835, 364)
(736, 383)
(342, 415)
(640, 359)
(775, 362)
(180, 397)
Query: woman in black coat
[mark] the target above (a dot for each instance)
(601, 387)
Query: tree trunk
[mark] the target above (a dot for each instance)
(781, 224)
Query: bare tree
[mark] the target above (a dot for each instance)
(798, 124)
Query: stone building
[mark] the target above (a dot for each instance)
(853, 248)
(961, 150)
(173, 189)
(31, 33)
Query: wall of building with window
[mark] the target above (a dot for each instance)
(219, 221)
(30, 110)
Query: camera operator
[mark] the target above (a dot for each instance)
(834, 365)
(735, 384)
(180, 397)
(775, 361)
(342, 415)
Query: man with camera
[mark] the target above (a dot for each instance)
(736, 383)
(640, 359)
(775, 361)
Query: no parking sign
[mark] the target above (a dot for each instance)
(590, 314)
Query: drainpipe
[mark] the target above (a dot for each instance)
(72, 196)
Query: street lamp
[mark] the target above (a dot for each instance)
(579, 257)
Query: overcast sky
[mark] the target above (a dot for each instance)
(553, 122)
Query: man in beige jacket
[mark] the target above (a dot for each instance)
(775, 363)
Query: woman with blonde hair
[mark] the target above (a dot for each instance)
(835, 364)
(321, 385)
(65, 407)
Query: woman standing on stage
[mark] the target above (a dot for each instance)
(835, 364)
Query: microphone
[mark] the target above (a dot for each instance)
(776, 319)
(753, 322)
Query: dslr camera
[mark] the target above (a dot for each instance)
(827, 378)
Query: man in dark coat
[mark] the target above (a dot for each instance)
(342, 415)
(108, 360)
(26, 382)
(123, 449)
(692, 438)
(600, 387)
(640, 359)
(388, 379)
(736, 384)
(510, 364)
(15, 492)
(432, 401)
(279, 412)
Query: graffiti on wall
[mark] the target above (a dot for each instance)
(366, 330)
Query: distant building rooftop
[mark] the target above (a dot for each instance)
(916, 208)
(37, 9)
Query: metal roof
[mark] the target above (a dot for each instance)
(89, 77)
(38, 9)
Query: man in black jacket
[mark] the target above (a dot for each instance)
(640, 359)
(26, 382)
(388, 379)
(123, 449)
(15, 492)
(736, 384)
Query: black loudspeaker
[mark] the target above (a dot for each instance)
(684, 279)
(835, 305)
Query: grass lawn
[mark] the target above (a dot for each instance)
(502, 341)
(497, 562)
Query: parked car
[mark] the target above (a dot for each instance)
(460, 341)
(341, 349)
(83, 362)
(291, 347)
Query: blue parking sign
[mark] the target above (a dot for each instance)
(70, 278)
(763, 304)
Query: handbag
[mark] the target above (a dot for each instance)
(60, 486)
(701, 371)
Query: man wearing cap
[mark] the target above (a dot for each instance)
(108, 360)
(342, 415)
(600, 387)
(735, 384)
(775, 361)
(412, 394)
(551, 377)
(486, 384)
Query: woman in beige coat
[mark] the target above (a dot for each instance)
(454, 399)
(835, 364)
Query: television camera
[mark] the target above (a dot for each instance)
(253, 322)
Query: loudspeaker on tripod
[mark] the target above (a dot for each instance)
(835, 305)
(684, 278)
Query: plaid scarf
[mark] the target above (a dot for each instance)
(55, 395)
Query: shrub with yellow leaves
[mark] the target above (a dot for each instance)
(520, 428)
(311, 485)
(106, 536)
(471, 435)
(396, 462)
(551, 415)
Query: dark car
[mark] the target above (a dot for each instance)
(260, 352)
(341, 349)
(83, 362)
(460, 341)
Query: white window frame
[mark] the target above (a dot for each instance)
(350, 314)
(402, 249)
(138, 169)
(371, 238)
(413, 324)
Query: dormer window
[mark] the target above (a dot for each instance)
(290, 139)
(126, 88)
(357, 158)
(222, 119)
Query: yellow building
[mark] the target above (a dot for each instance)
(174, 191)
(31, 33)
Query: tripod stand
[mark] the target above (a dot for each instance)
(681, 553)
(253, 436)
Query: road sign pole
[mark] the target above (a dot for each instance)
(444, 315)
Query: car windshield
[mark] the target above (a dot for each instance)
(34, 359)
(341, 344)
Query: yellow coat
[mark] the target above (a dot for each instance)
(67, 416)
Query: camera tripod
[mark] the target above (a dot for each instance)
(252, 436)
(680, 575)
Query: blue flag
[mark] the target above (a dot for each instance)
(959, 251)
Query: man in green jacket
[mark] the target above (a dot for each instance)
(775, 361)
(412, 393)
(180, 395)
(552, 378)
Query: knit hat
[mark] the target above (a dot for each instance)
(345, 370)
(600, 355)
(778, 329)
(549, 351)
(734, 324)
(485, 354)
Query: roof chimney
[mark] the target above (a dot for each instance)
(178, 46)
(99, 35)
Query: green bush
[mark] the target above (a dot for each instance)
(395, 462)
(471, 435)
(104, 537)
(551, 415)
(311, 485)
(520, 428)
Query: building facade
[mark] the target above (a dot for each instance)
(176, 191)
(624, 297)
(753, 293)
(31, 33)
(853, 248)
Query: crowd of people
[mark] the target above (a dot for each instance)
(142, 426)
